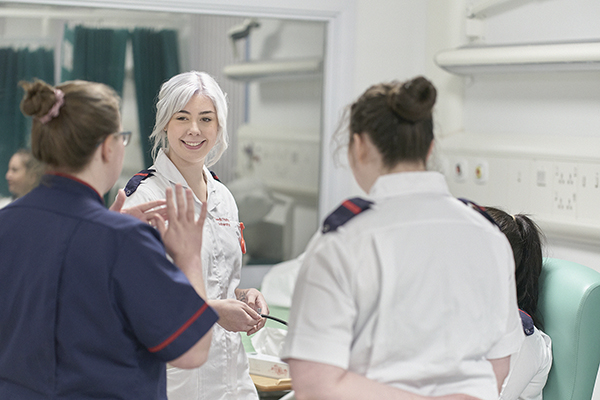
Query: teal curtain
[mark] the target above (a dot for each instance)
(98, 56)
(155, 59)
(17, 65)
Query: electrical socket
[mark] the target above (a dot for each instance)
(564, 188)
(481, 172)
(460, 170)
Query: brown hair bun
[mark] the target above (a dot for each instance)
(414, 100)
(38, 99)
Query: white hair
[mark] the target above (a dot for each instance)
(175, 94)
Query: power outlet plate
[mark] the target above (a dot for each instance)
(564, 186)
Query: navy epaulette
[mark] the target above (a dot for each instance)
(345, 212)
(135, 181)
(480, 210)
(527, 322)
(215, 177)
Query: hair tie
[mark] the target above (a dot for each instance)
(53, 113)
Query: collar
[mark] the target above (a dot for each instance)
(165, 166)
(409, 183)
(62, 180)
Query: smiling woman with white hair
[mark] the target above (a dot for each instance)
(190, 135)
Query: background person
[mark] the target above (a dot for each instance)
(410, 293)
(92, 308)
(190, 135)
(24, 173)
(529, 369)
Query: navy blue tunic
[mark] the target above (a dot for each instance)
(90, 307)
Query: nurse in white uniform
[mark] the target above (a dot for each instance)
(189, 136)
(410, 292)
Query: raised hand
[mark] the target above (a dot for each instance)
(143, 212)
(183, 236)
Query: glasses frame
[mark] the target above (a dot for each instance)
(126, 137)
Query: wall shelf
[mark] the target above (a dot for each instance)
(471, 60)
(288, 68)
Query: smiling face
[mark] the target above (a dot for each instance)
(192, 132)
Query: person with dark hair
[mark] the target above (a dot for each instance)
(530, 367)
(91, 306)
(190, 135)
(408, 293)
(24, 173)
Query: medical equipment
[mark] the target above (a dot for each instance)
(274, 319)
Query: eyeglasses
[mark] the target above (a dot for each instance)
(126, 137)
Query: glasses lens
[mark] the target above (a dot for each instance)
(126, 137)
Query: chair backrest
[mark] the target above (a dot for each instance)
(569, 304)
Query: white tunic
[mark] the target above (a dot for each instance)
(529, 369)
(417, 292)
(225, 376)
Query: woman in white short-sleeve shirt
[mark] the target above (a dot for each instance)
(410, 292)
(190, 135)
(530, 367)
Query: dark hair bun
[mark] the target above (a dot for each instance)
(413, 100)
(38, 99)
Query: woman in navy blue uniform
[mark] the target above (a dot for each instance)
(91, 306)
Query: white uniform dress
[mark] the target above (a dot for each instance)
(4, 201)
(529, 369)
(416, 292)
(225, 376)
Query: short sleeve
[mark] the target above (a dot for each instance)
(155, 298)
(323, 309)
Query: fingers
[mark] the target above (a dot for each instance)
(190, 205)
(251, 312)
(157, 221)
(257, 327)
(162, 212)
(181, 202)
(256, 300)
(171, 211)
(262, 306)
(149, 205)
(119, 201)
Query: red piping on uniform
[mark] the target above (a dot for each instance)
(352, 207)
(76, 179)
(179, 331)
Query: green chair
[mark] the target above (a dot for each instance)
(569, 304)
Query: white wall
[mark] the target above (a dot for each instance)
(559, 106)
(389, 44)
(551, 108)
